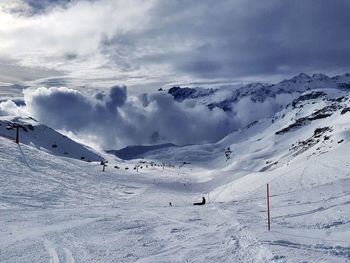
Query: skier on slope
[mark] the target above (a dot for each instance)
(201, 203)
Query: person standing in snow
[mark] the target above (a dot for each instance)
(228, 153)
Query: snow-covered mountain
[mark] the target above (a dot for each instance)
(226, 97)
(42, 137)
(310, 110)
(61, 209)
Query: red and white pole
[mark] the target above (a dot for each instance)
(268, 206)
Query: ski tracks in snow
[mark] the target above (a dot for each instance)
(249, 248)
(69, 256)
(196, 231)
(51, 249)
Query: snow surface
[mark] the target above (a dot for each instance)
(43, 137)
(59, 209)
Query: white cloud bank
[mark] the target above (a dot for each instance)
(112, 119)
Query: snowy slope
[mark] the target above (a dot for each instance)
(43, 137)
(59, 209)
(63, 210)
(307, 128)
(303, 153)
(284, 132)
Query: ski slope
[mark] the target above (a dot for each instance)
(57, 207)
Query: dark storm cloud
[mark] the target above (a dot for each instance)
(37, 7)
(227, 39)
(71, 110)
(158, 41)
(112, 120)
(44, 4)
(139, 43)
(40, 7)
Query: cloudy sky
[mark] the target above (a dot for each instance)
(153, 43)
(88, 62)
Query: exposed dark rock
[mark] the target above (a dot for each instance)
(181, 94)
(345, 86)
(225, 105)
(340, 99)
(297, 124)
(302, 146)
(324, 112)
(252, 124)
(326, 138)
(345, 110)
(320, 131)
(309, 96)
(267, 167)
(318, 114)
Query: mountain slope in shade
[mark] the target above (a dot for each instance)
(137, 151)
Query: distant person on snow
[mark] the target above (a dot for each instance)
(201, 203)
(228, 153)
